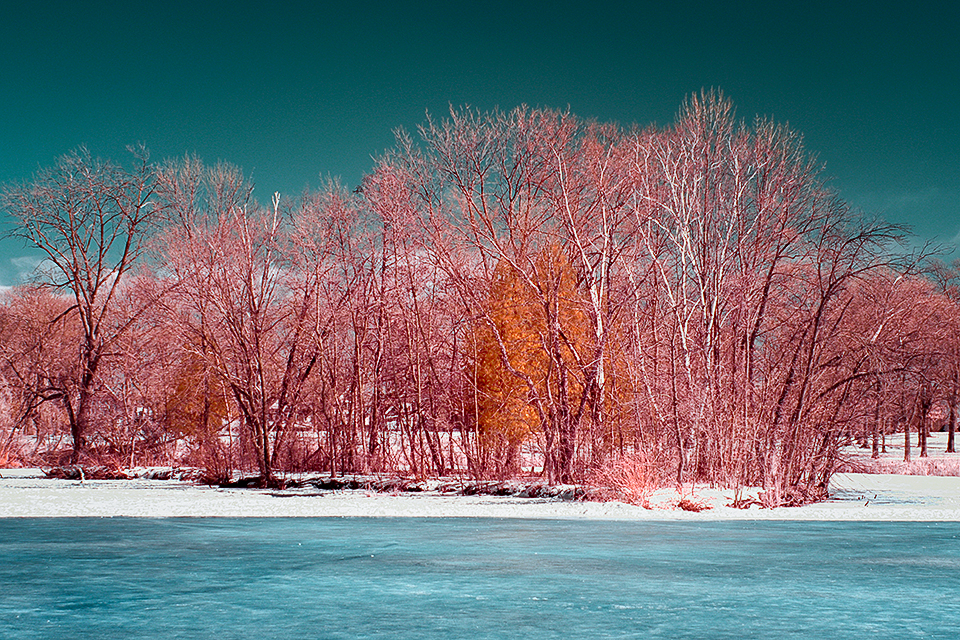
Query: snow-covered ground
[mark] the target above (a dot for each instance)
(854, 496)
(27, 493)
(937, 462)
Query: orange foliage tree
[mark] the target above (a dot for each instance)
(520, 373)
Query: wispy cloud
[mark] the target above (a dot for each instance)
(26, 264)
(25, 268)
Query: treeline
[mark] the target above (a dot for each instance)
(505, 293)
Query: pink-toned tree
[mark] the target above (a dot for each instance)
(487, 194)
(243, 303)
(89, 218)
(747, 260)
(38, 337)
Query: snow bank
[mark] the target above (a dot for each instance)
(26, 493)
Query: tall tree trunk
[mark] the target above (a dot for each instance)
(80, 421)
(906, 442)
(952, 427)
(876, 425)
(925, 403)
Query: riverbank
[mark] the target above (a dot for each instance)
(27, 493)
(922, 490)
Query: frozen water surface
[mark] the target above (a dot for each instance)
(476, 578)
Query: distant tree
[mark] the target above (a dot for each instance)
(37, 341)
(902, 335)
(946, 278)
(90, 219)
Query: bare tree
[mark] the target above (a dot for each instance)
(89, 218)
(746, 262)
(245, 297)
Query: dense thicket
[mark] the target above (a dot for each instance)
(505, 293)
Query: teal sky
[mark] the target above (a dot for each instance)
(298, 90)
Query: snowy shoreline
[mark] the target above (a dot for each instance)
(27, 493)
